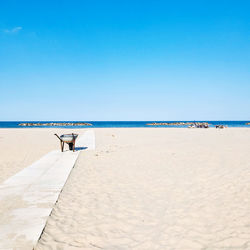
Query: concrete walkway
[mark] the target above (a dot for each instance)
(27, 198)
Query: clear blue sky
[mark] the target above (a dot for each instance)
(124, 60)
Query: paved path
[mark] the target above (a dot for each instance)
(27, 198)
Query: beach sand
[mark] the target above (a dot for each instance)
(156, 188)
(21, 147)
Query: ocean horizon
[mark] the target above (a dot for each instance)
(119, 124)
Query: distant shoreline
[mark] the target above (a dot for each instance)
(116, 124)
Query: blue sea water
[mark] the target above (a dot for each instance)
(123, 124)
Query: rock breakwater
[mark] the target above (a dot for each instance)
(48, 124)
(176, 123)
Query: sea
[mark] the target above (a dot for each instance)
(120, 124)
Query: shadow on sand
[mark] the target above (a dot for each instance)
(80, 148)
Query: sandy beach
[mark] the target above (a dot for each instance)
(145, 188)
(156, 189)
(158, 92)
(20, 147)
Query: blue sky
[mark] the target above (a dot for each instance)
(125, 60)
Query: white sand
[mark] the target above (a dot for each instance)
(156, 189)
(21, 147)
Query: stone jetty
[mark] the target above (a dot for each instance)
(196, 124)
(169, 123)
(51, 124)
